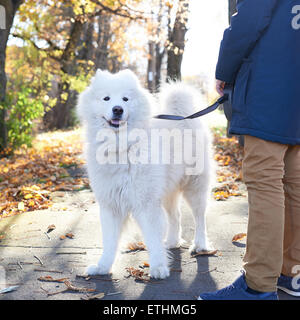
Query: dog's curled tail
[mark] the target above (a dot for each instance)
(180, 99)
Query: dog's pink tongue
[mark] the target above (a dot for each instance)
(115, 121)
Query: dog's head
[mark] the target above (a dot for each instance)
(113, 100)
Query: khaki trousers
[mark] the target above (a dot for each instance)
(271, 172)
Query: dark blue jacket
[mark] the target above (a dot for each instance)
(260, 52)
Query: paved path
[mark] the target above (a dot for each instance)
(27, 249)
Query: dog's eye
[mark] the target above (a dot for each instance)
(106, 98)
(125, 99)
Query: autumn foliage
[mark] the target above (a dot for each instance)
(30, 175)
(228, 155)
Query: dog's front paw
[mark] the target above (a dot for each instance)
(159, 272)
(95, 269)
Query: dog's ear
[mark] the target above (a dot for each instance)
(99, 75)
(129, 73)
(130, 77)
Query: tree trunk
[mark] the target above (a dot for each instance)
(159, 52)
(85, 46)
(104, 35)
(9, 8)
(59, 116)
(151, 72)
(159, 55)
(177, 41)
(155, 53)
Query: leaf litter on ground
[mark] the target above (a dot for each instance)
(229, 156)
(30, 175)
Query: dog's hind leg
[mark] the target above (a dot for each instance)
(172, 206)
(197, 197)
(111, 224)
(151, 220)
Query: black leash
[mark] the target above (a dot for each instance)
(225, 98)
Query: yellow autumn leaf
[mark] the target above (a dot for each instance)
(31, 203)
(21, 206)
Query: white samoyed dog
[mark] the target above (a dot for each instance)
(126, 184)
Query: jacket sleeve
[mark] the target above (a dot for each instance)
(247, 25)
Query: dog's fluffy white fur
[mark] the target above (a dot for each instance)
(150, 193)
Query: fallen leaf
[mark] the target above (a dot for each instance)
(31, 203)
(51, 228)
(62, 237)
(37, 188)
(134, 246)
(138, 274)
(21, 206)
(70, 235)
(72, 287)
(50, 279)
(239, 237)
(205, 253)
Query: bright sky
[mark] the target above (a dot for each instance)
(207, 21)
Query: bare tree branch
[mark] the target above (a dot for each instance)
(120, 11)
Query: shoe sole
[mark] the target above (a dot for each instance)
(290, 292)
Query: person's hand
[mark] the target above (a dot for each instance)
(220, 87)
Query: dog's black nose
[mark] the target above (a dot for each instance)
(117, 111)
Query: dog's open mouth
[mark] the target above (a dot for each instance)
(115, 123)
